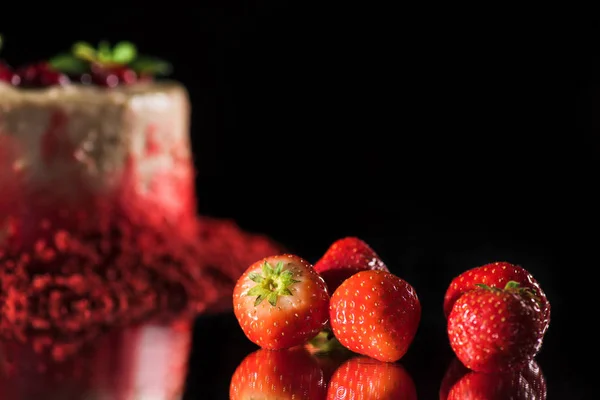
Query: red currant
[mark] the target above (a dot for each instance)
(41, 75)
(6, 73)
(113, 76)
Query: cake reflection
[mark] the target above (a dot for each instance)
(144, 362)
(459, 383)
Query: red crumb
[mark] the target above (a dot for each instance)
(71, 285)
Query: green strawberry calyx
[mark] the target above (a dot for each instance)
(514, 287)
(271, 283)
(326, 343)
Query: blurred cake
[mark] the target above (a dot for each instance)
(98, 222)
(72, 152)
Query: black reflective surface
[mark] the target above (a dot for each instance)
(446, 139)
(428, 250)
(430, 365)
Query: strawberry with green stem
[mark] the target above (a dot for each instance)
(281, 302)
(496, 274)
(496, 330)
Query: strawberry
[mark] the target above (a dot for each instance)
(281, 302)
(496, 275)
(494, 330)
(344, 258)
(376, 314)
(369, 379)
(526, 384)
(285, 374)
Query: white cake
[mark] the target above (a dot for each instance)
(91, 149)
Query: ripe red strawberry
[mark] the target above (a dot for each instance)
(344, 258)
(496, 275)
(375, 313)
(526, 384)
(285, 374)
(368, 379)
(281, 302)
(494, 330)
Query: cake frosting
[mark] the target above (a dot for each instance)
(90, 149)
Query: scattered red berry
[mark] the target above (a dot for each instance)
(375, 313)
(495, 330)
(526, 384)
(286, 374)
(344, 258)
(369, 379)
(496, 275)
(281, 302)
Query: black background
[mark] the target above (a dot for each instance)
(445, 138)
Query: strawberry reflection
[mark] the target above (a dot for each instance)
(454, 372)
(279, 374)
(459, 383)
(145, 362)
(368, 379)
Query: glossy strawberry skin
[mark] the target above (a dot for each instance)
(526, 384)
(494, 330)
(295, 318)
(496, 274)
(344, 258)
(375, 313)
(369, 379)
(284, 374)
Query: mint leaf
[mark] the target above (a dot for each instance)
(68, 64)
(104, 52)
(84, 51)
(124, 53)
(151, 66)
